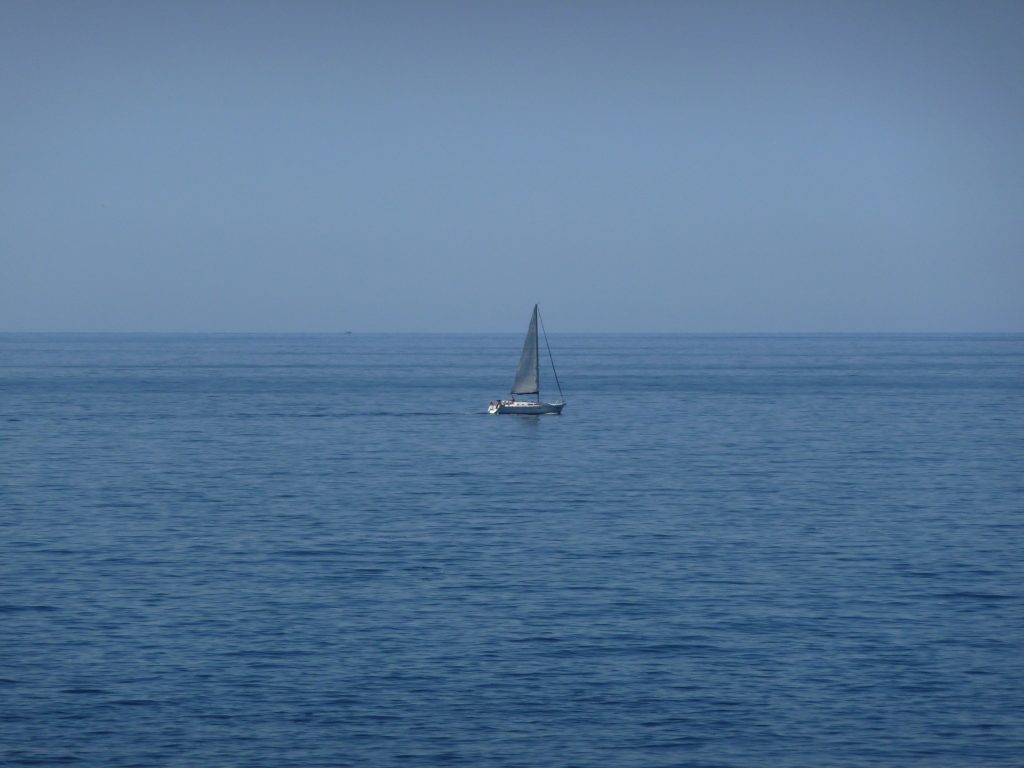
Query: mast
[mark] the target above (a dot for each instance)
(536, 347)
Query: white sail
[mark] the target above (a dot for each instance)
(528, 373)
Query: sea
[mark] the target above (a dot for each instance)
(319, 550)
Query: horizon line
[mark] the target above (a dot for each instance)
(511, 332)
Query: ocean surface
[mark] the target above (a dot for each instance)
(319, 550)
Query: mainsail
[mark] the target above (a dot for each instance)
(528, 373)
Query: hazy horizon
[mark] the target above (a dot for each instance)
(653, 167)
(514, 334)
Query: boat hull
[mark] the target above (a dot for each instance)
(524, 407)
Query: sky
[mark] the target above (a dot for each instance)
(437, 166)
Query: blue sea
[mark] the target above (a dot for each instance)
(319, 550)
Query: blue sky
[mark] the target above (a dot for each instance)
(441, 166)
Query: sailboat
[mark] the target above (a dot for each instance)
(528, 379)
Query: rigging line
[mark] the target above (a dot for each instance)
(550, 356)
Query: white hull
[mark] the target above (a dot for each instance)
(524, 408)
